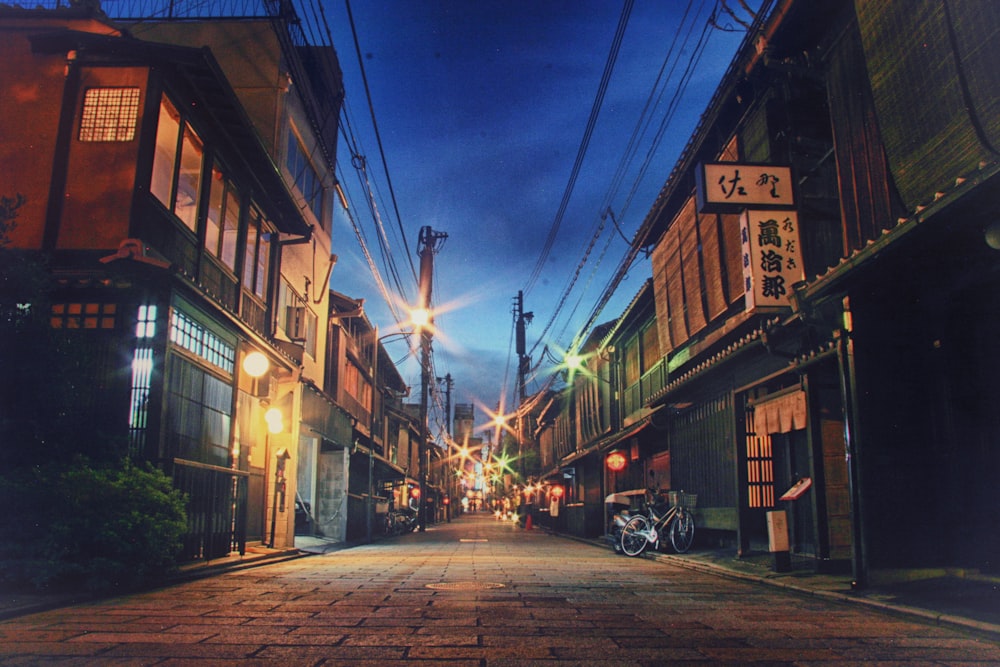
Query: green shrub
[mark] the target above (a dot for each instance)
(98, 529)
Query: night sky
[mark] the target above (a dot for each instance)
(482, 107)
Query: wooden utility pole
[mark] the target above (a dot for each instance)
(428, 243)
(523, 364)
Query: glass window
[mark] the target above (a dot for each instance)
(188, 333)
(223, 221)
(189, 179)
(307, 180)
(109, 114)
(198, 422)
(168, 129)
(230, 228)
(177, 165)
(256, 262)
(213, 224)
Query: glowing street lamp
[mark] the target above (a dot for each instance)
(256, 364)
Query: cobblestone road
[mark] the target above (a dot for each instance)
(477, 592)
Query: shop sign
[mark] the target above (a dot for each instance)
(772, 257)
(729, 187)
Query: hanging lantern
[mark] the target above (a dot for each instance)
(557, 491)
(616, 461)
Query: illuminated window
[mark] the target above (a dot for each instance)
(256, 262)
(177, 165)
(142, 380)
(109, 114)
(146, 322)
(223, 223)
(83, 315)
(189, 334)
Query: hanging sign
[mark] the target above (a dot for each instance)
(772, 257)
(729, 187)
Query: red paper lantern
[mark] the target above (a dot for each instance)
(616, 461)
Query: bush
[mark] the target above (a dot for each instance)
(98, 529)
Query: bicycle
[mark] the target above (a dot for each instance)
(676, 521)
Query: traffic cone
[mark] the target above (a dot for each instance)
(527, 521)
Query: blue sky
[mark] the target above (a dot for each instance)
(482, 106)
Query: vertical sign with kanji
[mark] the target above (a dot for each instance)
(772, 257)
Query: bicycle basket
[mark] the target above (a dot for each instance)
(686, 500)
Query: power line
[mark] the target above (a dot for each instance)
(584, 144)
(378, 136)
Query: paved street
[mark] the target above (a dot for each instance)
(477, 592)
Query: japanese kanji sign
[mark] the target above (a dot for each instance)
(772, 257)
(729, 187)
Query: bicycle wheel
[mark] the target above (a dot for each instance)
(634, 536)
(682, 531)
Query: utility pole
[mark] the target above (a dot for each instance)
(448, 384)
(428, 243)
(523, 365)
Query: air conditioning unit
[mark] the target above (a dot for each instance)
(295, 323)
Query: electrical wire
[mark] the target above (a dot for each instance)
(657, 92)
(584, 145)
(378, 136)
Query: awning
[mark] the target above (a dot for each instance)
(383, 470)
(609, 441)
(626, 433)
(579, 454)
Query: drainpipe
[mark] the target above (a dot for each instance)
(849, 398)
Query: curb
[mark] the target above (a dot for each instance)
(50, 602)
(926, 615)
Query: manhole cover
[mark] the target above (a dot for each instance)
(464, 585)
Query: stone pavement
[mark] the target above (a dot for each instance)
(479, 592)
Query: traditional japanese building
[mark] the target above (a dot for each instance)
(177, 228)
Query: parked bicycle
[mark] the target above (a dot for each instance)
(674, 519)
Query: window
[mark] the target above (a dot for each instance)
(296, 319)
(83, 315)
(177, 165)
(142, 380)
(256, 261)
(199, 387)
(650, 346)
(356, 384)
(223, 222)
(109, 114)
(633, 369)
(200, 416)
(187, 333)
(307, 180)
